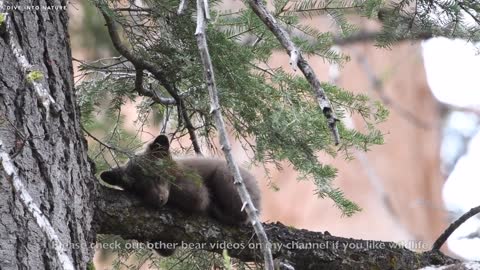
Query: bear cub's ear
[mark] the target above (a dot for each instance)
(112, 177)
(160, 146)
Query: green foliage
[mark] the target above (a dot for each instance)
(428, 18)
(90, 266)
(272, 112)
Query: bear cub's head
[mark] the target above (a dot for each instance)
(148, 172)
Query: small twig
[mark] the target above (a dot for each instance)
(463, 109)
(444, 236)
(372, 175)
(296, 59)
(182, 7)
(27, 201)
(133, 9)
(476, 18)
(109, 147)
(248, 205)
(150, 93)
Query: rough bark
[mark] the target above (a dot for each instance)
(49, 152)
(122, 214)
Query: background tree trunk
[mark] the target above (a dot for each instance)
(52, 154)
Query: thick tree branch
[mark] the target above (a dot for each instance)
(296, 59)
(122, 214)
(248, 206)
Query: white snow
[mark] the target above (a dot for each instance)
(452, 68)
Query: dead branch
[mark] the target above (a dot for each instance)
(202, 11)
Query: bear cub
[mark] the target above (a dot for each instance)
(192, 184)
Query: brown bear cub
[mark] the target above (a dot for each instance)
(193, 184)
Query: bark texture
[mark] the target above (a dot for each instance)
(50, 153)
(122, 214)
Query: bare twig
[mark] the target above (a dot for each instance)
(444, 236)
(224, 141)
(296, 59)
(150, 93)
(109, 147)
(463, 109)
(182, 7)
(27, 201)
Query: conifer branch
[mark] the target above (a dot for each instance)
(248, 206)
(142, 64)
(27, 201)
(296, 59)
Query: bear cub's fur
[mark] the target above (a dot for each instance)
(193, 184)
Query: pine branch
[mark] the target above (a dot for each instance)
(140, 64)
(248, 206)
(296, 59)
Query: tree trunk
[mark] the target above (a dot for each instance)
(49, 152)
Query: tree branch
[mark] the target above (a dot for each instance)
(150, 93)
(143, 64)
(296, 59)
(444, 236)
(123, 214)
(248, 206)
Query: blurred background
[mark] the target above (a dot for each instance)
(411, 187)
